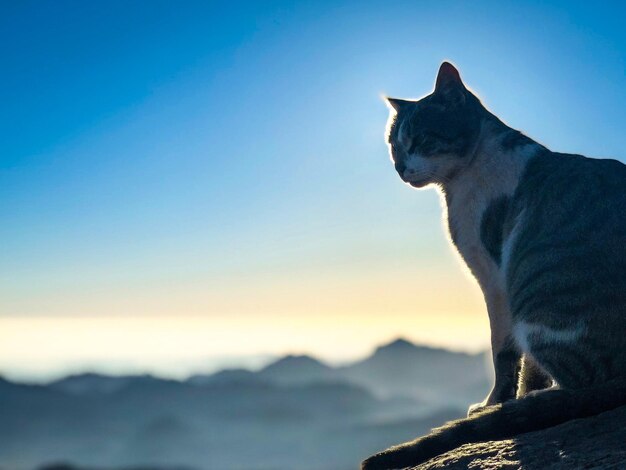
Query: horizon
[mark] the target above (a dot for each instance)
(185, 367)
(184, 183)
(253, 364)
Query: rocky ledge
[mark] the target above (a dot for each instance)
(592, 443)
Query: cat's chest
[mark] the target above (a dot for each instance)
(465, 216)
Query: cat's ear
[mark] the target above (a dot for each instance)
(396, 103)
(449, 84)
(448, 75)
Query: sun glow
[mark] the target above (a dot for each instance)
(176, 346)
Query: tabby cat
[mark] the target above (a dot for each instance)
(544, 233)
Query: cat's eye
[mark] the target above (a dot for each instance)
(429, 140)
(438, 137)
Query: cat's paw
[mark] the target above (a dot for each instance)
(484, 407)
(476, 408)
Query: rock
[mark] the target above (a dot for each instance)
(592, 443)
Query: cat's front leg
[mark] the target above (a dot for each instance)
(507, 363)
(505, 354)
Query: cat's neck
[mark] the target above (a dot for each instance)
(495, 169)
(496, 165)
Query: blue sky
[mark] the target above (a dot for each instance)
(200, 158)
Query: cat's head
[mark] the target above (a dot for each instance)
(431, 140)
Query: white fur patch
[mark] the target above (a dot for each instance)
(507, 245)
(522, 332)
(494, 173)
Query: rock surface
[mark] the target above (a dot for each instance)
(593, 443)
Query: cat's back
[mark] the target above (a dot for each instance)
(570, 250)
(567, 195)
(580, 177)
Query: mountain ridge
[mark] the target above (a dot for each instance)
(396, 368)
(288, 412)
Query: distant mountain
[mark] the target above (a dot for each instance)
(80, 384)
(292, 370)
(399, 368)
(281, 417)
(401, 344)
(288, 370)
(431, 374)
(226, 376)
(177, 423)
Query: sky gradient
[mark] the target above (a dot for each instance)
(189, 182)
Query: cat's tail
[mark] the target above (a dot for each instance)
(532, 413)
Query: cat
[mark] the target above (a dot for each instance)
(544, 234)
